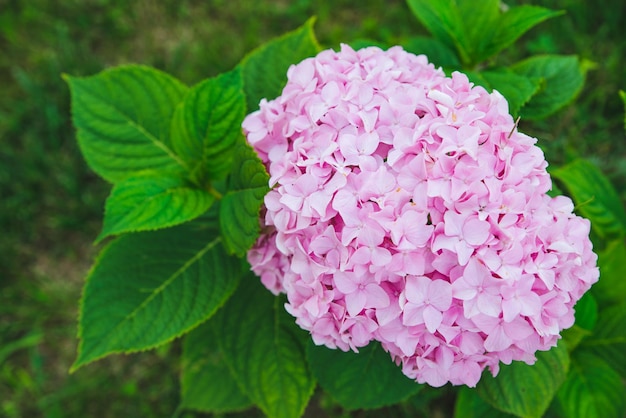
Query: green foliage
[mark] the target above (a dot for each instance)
(265, 68)
(462, 25)
(562, 78)
(592, 389)
(207, 125)
(595, 197)
(122, 118)
(609, 338)
(470, 405)
(611, 288)
(264, 350)
(150, 201)
(437, 52)
(206, 382)
(509, 27)
(239, 210)
(523, 390)
(364, 380)
(176, 278)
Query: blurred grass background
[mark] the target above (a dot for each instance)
(51, 204)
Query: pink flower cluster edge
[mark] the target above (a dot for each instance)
(405, 207)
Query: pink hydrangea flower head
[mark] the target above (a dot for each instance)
(405, 207)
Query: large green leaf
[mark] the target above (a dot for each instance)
(592, 389)
(239, 209)
(207, 384)
(517, 89)
(265, 68)
(264, 350)
(510, 26)
(437, 52)
(365, 380)
(148, 288)
(470, 405)
(524, 390)
(207, 124)
(150, 201)
(563, 78)
(443, 20)
(611, 288)
(609, 339)
(122, 117)
(595, 197)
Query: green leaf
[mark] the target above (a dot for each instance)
(517, 89)
(609, 339)
(510, 26)
(148, 288)
(122, 117)
(586, 312)
(592, 389)
(573, 336)
(364, 43)
(611, 288)
(207, 384)
(622, 94)
(264, 350)
(525, 390)
(595, 197)
(443, 20)
(239, 209)
(470, 405)
(365, 380)
(479, 18)
(207, 124)
(152, 201)
(265, 68)
(436, 51)
(563, 78)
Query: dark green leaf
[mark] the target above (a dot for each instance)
(595, 197)
(611, 288)
(206, 383)
(239, 209)
(152, 201)
(517, 89)
(265, 350)
(592, 389)
(563, 78)
(364, 43)
(444, 21)
(609, 339)
(622, 94)
(510, 26)
(148, 288)
(122, 116)
(470, 405)
(365, 380)
(265, 68)
(573, 336)
(207, 124)
(586, 312)
(436, 51)
(480, 18)
(525, 390)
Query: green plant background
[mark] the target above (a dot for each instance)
(51, 204)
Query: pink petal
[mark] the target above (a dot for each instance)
(432, 318)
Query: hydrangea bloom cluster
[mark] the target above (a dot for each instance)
(406, 208)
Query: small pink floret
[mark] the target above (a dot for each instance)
(406, 208)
